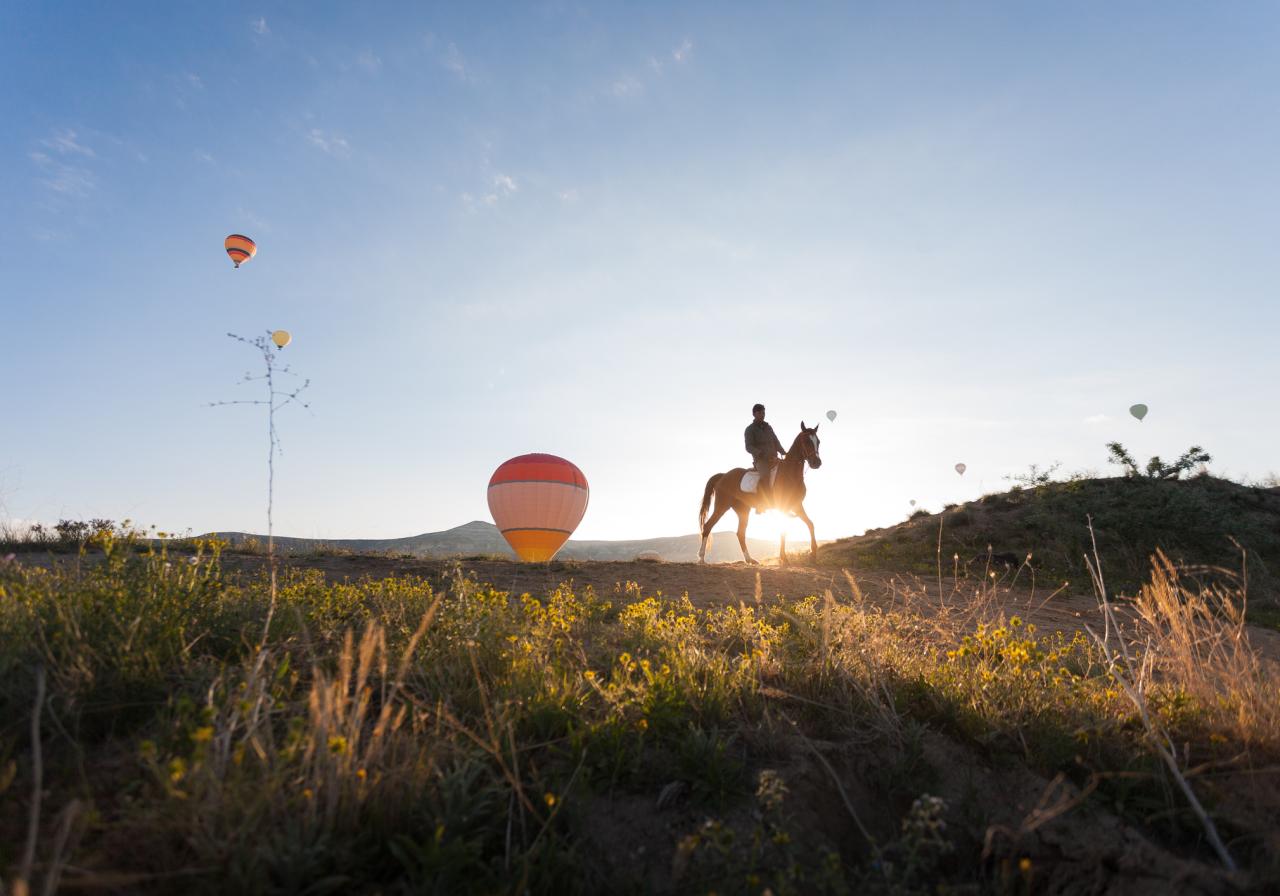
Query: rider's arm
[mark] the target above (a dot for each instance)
(777, 446)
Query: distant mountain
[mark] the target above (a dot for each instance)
(478, 537)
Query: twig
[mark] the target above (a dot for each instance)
(37, 782)
(66, 824)
(835, 779)
(941, 516)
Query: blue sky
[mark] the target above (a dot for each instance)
(977, 232)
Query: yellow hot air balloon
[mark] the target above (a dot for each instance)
(281, 338)
(537, 500)
(240, 248)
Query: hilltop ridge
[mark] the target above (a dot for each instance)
(1202, 521)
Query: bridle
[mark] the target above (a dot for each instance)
(808, 442)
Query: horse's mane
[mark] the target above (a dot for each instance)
(804, 431)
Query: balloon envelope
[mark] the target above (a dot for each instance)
(537, 500)
(913, 502)
(831, 415)
(281, 338)
(1139, 411)
(960, 468)
(240, 248)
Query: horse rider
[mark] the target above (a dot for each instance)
(764, 448)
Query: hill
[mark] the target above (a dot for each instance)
(478, 537)
(1194, 521)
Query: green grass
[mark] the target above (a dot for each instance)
(1202, 520)
(398, 735)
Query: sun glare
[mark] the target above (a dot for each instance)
(773, 525)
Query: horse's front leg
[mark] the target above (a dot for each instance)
(744, 514)
(782, 550)
(813, 539)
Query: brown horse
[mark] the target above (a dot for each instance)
(788, 496)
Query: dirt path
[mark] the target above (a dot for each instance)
(719, 584)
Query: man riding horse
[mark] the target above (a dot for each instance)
(765, 449)
(786, 491)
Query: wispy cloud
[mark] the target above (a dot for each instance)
(502, 187)
(627, 85)
(369, 61)
(65, 142)
(569, 195)
(1097, 418)
(207, 158)
(330, 143)
(195, 81)
(505, 184)
(632, 84)
(452, 59)
(61, 165)
(248, 216)
(66, 180)
(259, 25)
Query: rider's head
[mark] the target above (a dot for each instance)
(757, 411)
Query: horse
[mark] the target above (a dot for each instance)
(788, 496)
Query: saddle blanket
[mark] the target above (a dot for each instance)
(751, 479)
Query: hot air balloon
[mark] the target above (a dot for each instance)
(537, 500)
(281, 338)
(1139, 411)
(912, 502)
(960, 468)
(240, 248)
(831, 415)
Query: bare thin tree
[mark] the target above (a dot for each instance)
(276, 399)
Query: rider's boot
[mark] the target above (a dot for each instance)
(765, 490)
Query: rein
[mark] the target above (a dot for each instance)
(797, 460)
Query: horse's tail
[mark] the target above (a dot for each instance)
(706, 500)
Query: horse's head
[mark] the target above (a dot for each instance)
(806, 444)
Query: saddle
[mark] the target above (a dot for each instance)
(751, 479)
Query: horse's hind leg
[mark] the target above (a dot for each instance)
(744, 514)
(719, 511)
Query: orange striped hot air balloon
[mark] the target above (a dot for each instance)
(537, 500)
(240, 248)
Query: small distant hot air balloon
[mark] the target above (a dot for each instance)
(831, 415)
(1139, 411)
(537, 500)
(960, 468)
(240, 248)
(912, 502)
(281, 338)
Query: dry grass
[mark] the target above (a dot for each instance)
(399, 735)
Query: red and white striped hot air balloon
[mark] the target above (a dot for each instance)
(537, 500)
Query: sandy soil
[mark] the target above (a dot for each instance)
(715, 584)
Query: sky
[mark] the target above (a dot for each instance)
(978, 232)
